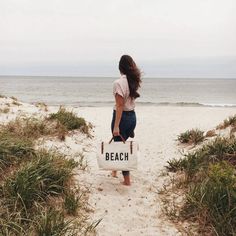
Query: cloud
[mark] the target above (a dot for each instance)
(57, 36)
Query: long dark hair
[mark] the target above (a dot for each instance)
(128, 67)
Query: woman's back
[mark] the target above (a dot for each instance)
(121, 87)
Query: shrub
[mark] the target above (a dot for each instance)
(193, 136)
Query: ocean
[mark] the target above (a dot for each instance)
(97, 91)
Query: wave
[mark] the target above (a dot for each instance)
(191, 104)
(141, 103)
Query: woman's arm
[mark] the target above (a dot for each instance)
(119, 110)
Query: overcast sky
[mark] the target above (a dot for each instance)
(167, 38)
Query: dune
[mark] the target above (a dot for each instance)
(134, 210)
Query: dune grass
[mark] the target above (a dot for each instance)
(34, 128)
(14, 149)
(210, 186)
(219, 149)
(214, 198)
(16, 103)
(230, 121)
(53, 222)
(72, 202)
(14, 98)
(193, 136)
(57, 124)
(45, 221)
(36, 185)
(210, 133)
(45, 175)
(4, 110)
(70, 120)
(36, 199)
(43, 106)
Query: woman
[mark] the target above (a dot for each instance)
(125, 92)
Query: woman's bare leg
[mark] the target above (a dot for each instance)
(126, 175)
(114, 173)
(127, 180)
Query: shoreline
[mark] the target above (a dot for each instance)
(138, 104)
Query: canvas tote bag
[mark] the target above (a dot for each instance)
(118, 155)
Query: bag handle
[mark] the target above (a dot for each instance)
(123, 140)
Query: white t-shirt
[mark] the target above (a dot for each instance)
(121, 87)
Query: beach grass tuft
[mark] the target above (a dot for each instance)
(213, 199)
(14, 148)
(230, 121)
(14, 98)
(4, 110)
(70, 120)
(219, 149)
(29, 195)
(209, 185)
(43, 106)
(72, 202)
(45, 175)
(52, 222)
(28, 127)
(34, 128)
(193, 136)
(16, 103)
(210, 133)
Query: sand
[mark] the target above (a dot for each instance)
(134, 210)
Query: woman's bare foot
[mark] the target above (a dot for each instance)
(114, 173)
(126, 180)
(126, 184)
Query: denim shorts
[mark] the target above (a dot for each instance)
(127, 126)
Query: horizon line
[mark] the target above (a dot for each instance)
(90, 76)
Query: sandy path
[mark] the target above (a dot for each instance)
(136, 210)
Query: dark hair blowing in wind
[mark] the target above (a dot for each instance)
(128, 67)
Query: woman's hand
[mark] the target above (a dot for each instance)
(116, 131)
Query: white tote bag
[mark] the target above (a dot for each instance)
(118, 155)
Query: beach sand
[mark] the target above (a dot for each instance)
(134, 210)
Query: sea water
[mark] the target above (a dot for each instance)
(97, 91)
